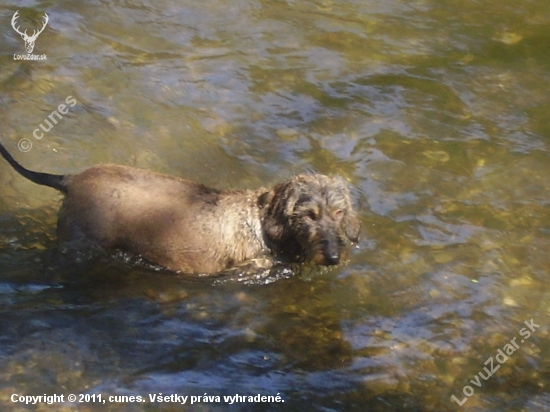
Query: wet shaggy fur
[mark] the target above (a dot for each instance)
(190, 228)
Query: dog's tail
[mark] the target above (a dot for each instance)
(45, 179)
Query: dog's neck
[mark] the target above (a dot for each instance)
(246, 226)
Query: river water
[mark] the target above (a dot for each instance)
(436, 112)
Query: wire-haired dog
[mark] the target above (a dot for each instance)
(185, 226)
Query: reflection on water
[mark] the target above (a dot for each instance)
(435, 112)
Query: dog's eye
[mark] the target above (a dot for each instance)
(312, 215)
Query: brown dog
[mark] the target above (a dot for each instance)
(191, 228)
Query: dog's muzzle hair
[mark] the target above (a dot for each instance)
(309, 217)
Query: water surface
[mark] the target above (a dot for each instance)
(436, 112)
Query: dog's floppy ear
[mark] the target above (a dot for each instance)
(350, 222)
(274, 204)
(350, 225)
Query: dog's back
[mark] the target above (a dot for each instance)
(176, 223)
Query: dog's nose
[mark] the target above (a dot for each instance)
(332, 259)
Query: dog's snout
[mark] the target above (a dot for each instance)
(332, 259)
(331, 253)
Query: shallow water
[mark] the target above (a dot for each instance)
(436, 113)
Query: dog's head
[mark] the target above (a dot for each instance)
(309, 217)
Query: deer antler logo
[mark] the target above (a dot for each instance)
(29, 40)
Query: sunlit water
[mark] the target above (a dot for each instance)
(436, 113)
